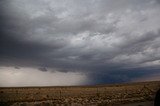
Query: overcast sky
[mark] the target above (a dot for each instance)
(78, 42)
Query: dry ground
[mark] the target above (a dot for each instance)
(102, 95)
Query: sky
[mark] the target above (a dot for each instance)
(78, 42)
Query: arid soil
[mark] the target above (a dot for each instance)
(147, 103)
(101, 95)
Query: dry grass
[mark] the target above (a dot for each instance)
(80, 95)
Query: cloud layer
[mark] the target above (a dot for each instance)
(106, 40)
(12, 77)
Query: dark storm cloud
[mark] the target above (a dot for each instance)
(14, 49)
(121, 76)
(17, 67)
(105, 39)
(43, 69)
(158, 1)
(18, 51)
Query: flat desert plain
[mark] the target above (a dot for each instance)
(131, 94)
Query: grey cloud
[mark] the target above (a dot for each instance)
(141, 47)
(158, 1)
(100, 38)
(17, 67)
(43, 69)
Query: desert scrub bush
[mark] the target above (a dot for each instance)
(23, 104)
(45, 104)
(47, 96)
(37, 104)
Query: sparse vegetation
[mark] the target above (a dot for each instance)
(82, 95)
